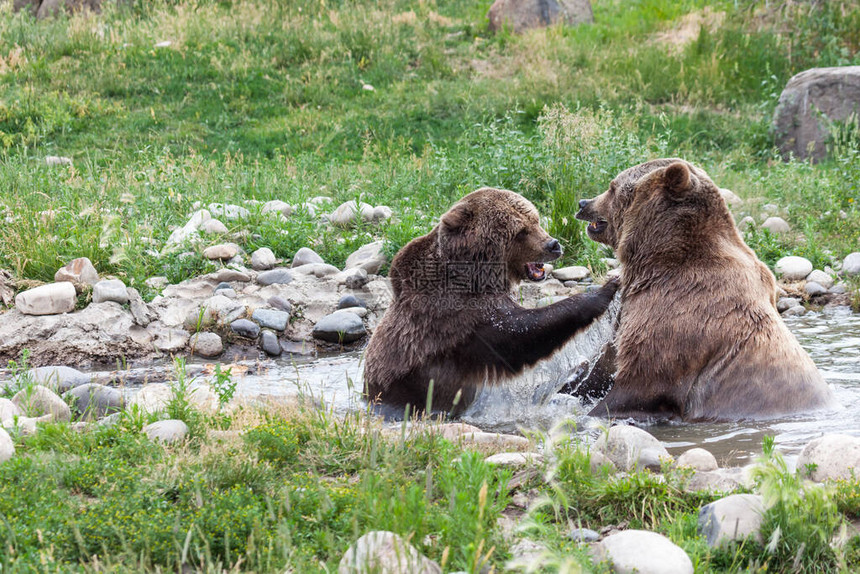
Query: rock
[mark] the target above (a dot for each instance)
(812, 289)
(514, 459)
(271, 318)
(152, 398)
(599, 464)
(830, 457)
(54, 160)
(583, 535)
(263, 259)
(350, 301)
(610, 262)
(8, 411)
(95, 401)
(280, 304)
(50, 299)
(270, 344)
(188, 232)
(494, 442)
(746, 223)
(277, 206)
(839, 289)
(360, 311)
(776, 225)
(629, 447)
(298, 348)
(228, 211)
(851, 264)
(169, 431)
(821, 277)
(573, 273)
(316, 269)
(711, 481)
(39, 400)
(340, 327)
(522, 15)
(139, 309)
(80, 270)
(731, 519)
(352, 278)
(350, 212)
(385, 553)
(642, 552)
(379, 214)
(167, 339)
(7, 447)
(810, 103)
(731, 197)
(526, 552)
(279, 276)
(453, 431)
(245, 328)
(369, 257)
(206, 344)
(699, 459)
(110, 290)
(231, 275)
(213, 227)
(221, 251)
(58, 377)
(157, 282)
(305, 256)
(793, 268)
(786, 303)
(794, 311)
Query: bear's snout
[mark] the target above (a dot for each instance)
(553, 247)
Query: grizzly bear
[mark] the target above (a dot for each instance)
(699, 336)
(454, 323)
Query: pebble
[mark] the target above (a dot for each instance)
(821, 277)
(263, 259)
(611, 263)
(222, 286)
(643, 552)
(776, 225)
(830, 457)
(279, 276)
(350, 301)
(340, 327)
(280, 304)
(230, 275)
(630, 447)
(168, 431)
(39, 400)
(7, 447)
(306, 256)
(353, 278)
(380, 551)
(213, 227)
(50, 299)
(271, 318)
(812, 289)
(572, 273)
(206, 344)
(221, 251)
(269, 343)
(733, 518)
(95, 401)
(245, 328)
(80, 270)
(110, 290)
(298, 347)
(851, 264)
(699, 459)
(793, 268)
(369, 257)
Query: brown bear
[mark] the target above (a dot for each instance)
(454, 321)
(699, 336)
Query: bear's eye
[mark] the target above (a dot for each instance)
(522, 234)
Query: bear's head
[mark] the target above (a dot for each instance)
(666, 204)
(497, 228)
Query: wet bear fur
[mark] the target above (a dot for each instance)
(699, 336)
(454, 321)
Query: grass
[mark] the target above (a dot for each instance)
(260, 100)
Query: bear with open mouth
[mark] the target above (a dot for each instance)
(454, 321)
(699, 336)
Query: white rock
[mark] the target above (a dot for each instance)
(262, 259)
(221, 251)
(794, 311)
(572, 273)
(54, 160)
(822, 278)
(851, 264)
(228, 211)
(732, 518)
(514, 459)
(58, 377)
(353, 278)
(630, 447)
(317, 269)
(746, 223)
(495, 441)
(80, 270)
(381, 552)
(167, 339)
(776, 225)
(379, 214)
(152, 398)
(642, 552)
(206, 344)
(157, 282)
(188, 231)
(730, 197)
(7, 447)
(699, 459)
(50, 299)
(169, 431)
(349, 212)
(110, 290)
(831, 457)
(812, 289)
(164, 44)
(306, 256)
(8, 411)
(793, 268)
(277, 206)
(213, 227)
(369, 257)
(39, 400)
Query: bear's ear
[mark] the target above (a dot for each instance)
(677, 180)
(456, 217)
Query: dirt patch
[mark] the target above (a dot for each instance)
(688, 27)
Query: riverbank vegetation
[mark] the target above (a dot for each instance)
(165, 104)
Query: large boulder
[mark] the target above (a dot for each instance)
(385, 553)
(630, 447)
(95, 401)
(808, 106)
(731, 519)
(50, 299)
(833, 457)
(522, 15)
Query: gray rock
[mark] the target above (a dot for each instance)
(572, 273)
(369, 257)
(731, 519)
(793, 268)
(794, 311)
(280, 304)
(269, 343)
(213, 227)
(812, 289)
(188, 232)
(222, 285)
(110, 290)
(699, 459)
(360, 311)
(839, 289)
(851, 264)
(306, 256)
(8, 411)
(316, 269)
(231, 275)
(610, 262)
(583, 535)
(39, 400)
(385, 552)
(712, 481)
(271, 318)
(786, 303)
(50, 299)
(746, 222)
(228, 211)
(58, 377)
(811, 101)
(340, 327)
(776, 225)
(263, 259)
(157, 282)
(152, 398)
(7, 447)
(221, 251)
(642, 552)
(303, 348)
(522, 15)
(630, 447)
(599, 464)
(515, 459)
(78, 270)
(169, 432)
(350, 301)
(830, 457)
(279, 276)
(139, 310)
(277, 206)
(821, 277)
(206, 344)
(96, 401)
(379, 214)
(53, 160)
(245, 328)
(168, 339)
